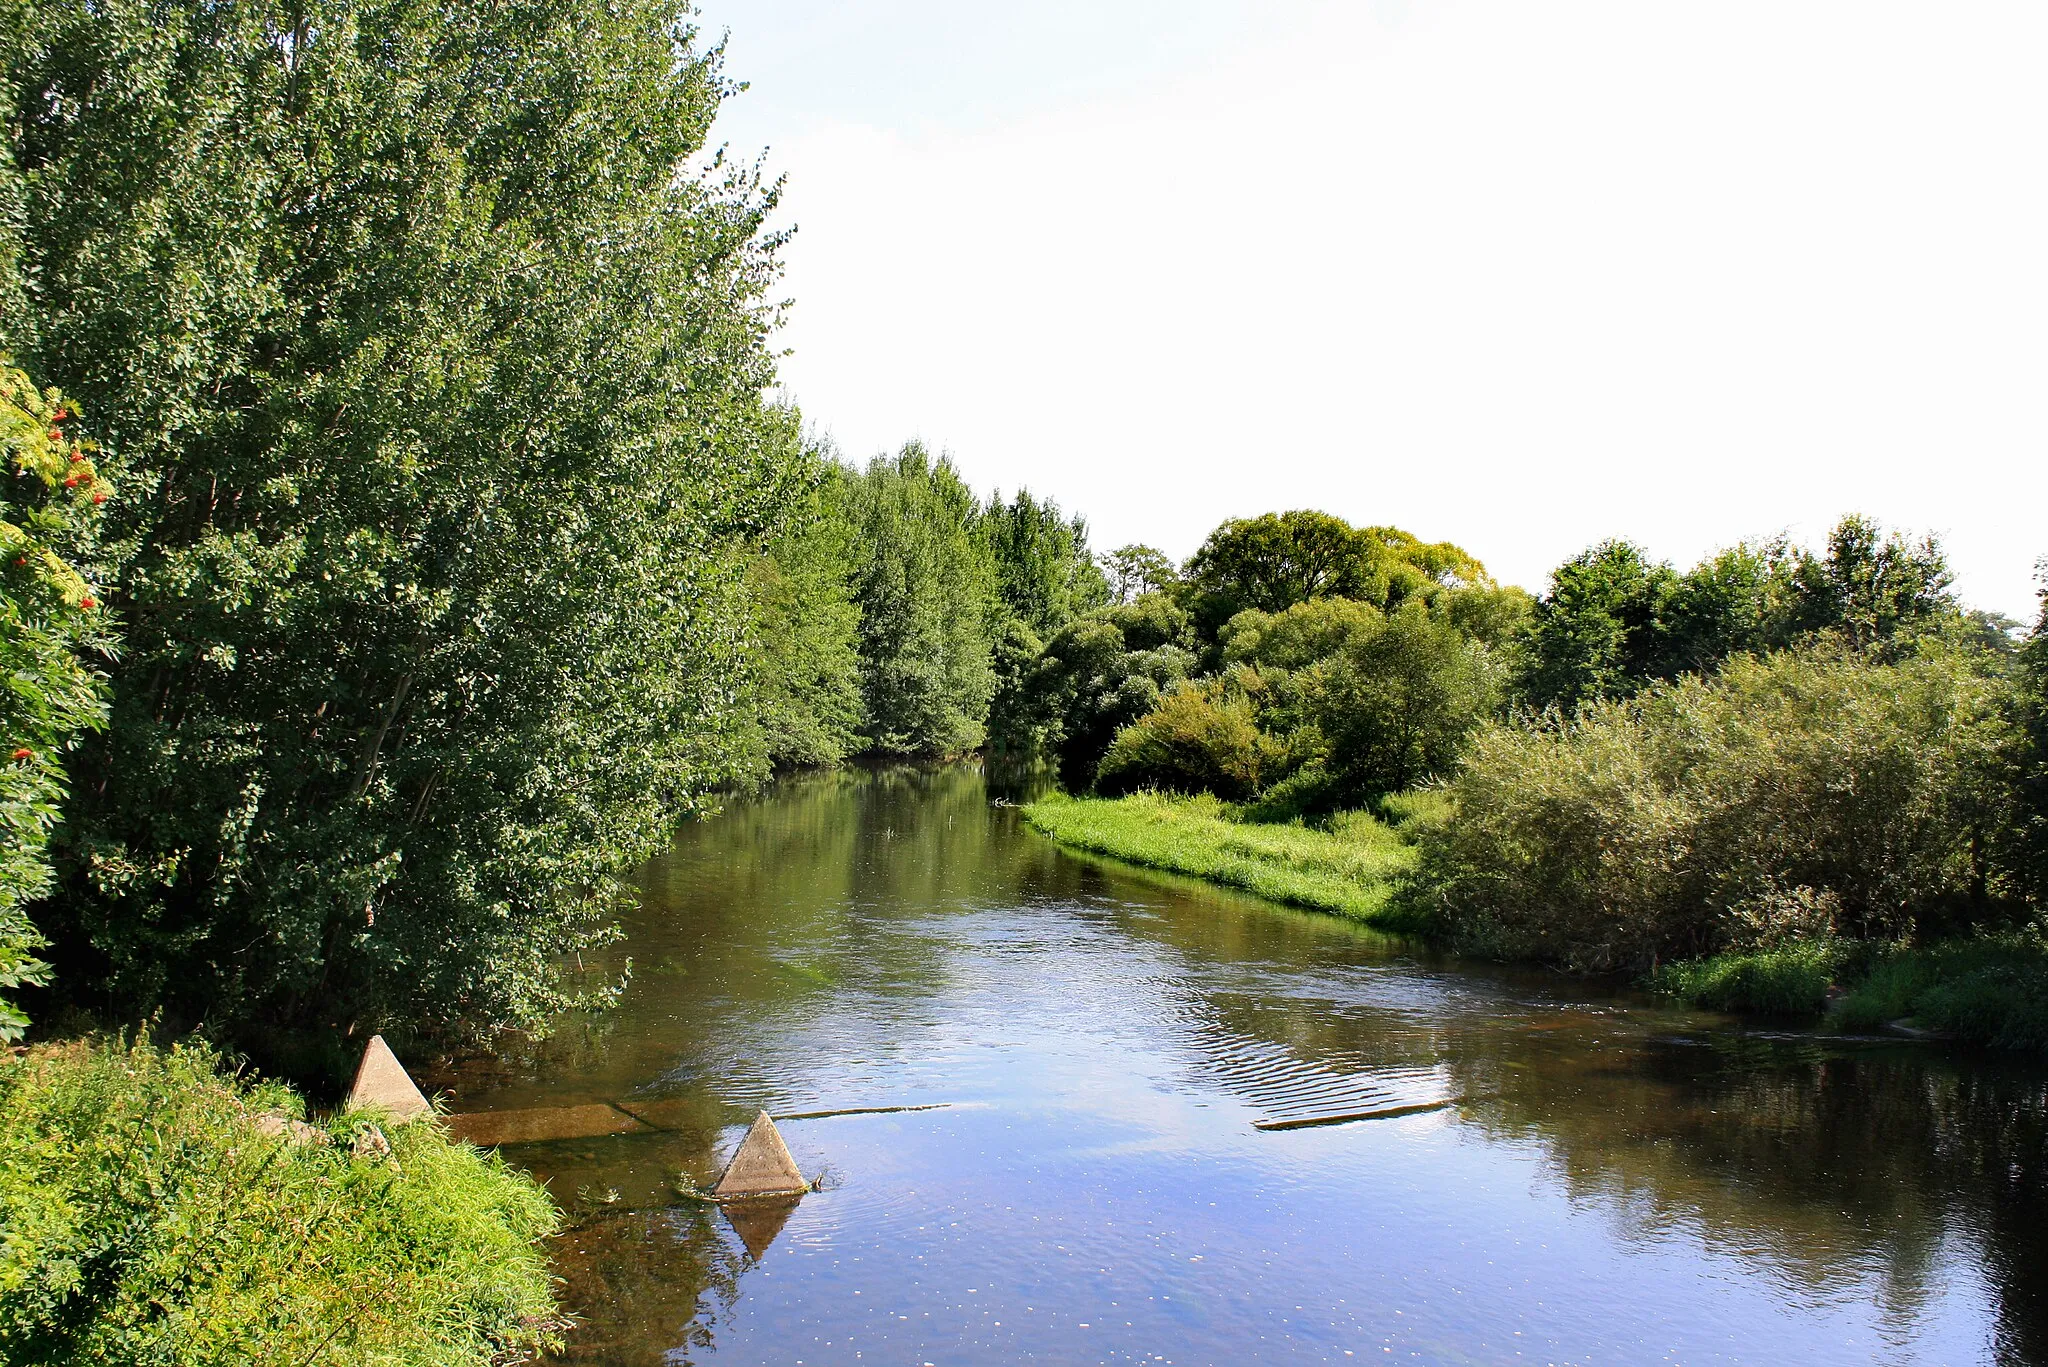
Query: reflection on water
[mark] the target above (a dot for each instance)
(1614, 1181)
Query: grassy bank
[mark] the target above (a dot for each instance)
(156, 1208)
(1986, 989)
(1349, 867)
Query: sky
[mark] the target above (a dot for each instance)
(1520, 276)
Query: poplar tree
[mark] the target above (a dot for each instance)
(430, 341)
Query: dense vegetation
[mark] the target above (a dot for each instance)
(401, 539)
(157, 1209)
(1775, 775)
(53, 631)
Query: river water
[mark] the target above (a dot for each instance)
(1602, 1180)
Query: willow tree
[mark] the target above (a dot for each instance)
(432, 345)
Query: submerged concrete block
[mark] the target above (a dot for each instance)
(381, 1080)
(762, 1166)
(489, 1129)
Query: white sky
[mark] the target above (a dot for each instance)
(1516, 275)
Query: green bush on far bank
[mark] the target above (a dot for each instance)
(147, 1216)
(1350, 867)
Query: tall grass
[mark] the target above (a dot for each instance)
(1790, 980)
(1985, 989)
(149, 1214)
(1349, 868)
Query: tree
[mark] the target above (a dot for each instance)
(1094, 677)
(1044, 574)
(1280, 559)
(1134, 571)
(1595, 632)
(1395, 703)
(1870, 586)
(1615, 621)
(804, 649)
(2028, 841)
(926, 586)
(52, 625)
(434, 349)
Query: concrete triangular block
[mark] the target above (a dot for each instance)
(381, 1080)
(762, 1167)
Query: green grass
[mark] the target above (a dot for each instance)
(1986, 989)
(146, 1216)
(1790, 981)
(1350, 868)
(1989, 989)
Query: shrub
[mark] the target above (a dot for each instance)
(1395, 704)
(150, 1217)
(1194, 741)
(1689, 820)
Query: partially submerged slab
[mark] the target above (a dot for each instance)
(381, 1081)
(489, 1129)
(761, 1167)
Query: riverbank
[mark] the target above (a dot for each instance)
(1986, 989)
(1349, 868)
(160, 1206)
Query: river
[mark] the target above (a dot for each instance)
(1602, 1179)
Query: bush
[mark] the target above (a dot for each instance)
(1804, 794)
(150, 1217)
(1194, 741)
(1395, 704)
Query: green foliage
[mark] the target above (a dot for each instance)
(1789, 980)
(1349, 869)
(1869, 586)
(1044, 574)
(1360, 702)
(151, 1216)
(1093, 678)
(1131, 572)
(1988, 989)
(1272, 562)
(1197, 740)
(1300, 636)
(929, 610)
(434, 351)
(805, 645)
(51, 624)
(1394, 704)
(2028, 842)
(1614, 621)
(1277, 560)
(1805, 795)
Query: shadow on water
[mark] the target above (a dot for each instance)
(1609, 1179)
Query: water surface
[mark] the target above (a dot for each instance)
(1610, 1181)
